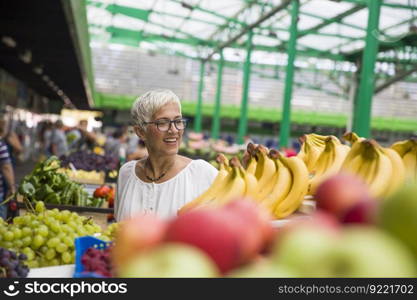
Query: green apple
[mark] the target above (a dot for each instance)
(369, 252)
(170, 260)
(398, 216)
(305, 250)
(262, 269)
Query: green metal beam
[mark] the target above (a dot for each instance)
(387, 4)
(335, 19)
(363, 103)
(198, 113)
(286, 110)
(243, 121)
(399, 76)
(215, 126)
(213, 13)
(253, 25)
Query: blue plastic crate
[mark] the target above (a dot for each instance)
(81, 246)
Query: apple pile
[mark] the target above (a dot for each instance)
(352, 234)
(201, 243)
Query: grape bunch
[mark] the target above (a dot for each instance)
(46, 237)
(12, 265)
(97, 261)
(109, 233)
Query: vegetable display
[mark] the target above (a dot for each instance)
(46, 184)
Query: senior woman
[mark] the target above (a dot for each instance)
(164, 181)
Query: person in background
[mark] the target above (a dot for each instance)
(164, 181)
(45, 138)
(6, 175)
(137, 153)
(115, 142)
(59, 146)
(88, 138)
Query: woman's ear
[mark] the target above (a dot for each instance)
(140, 132)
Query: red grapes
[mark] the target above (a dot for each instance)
(11, 264)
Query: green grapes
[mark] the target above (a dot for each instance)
(46, 237)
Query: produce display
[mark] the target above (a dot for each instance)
(46, 184)
(97, 261)
(363, 226)
(46, 237)
(280, 184)
(88, 161)
(12, 265)
(82, 176)
(277, 182)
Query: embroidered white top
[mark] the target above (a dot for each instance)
(163, 199)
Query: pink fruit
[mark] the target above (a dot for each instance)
(256, 224)
(363, 212)
(339, 193)
(135, 235)
(215, 232)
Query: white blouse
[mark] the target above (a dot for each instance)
(163, 199)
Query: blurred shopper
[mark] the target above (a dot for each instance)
(59, 146)
(79, 138)
(164, 181)
(115, 141)
(138, 152)
(45, 138)
(6, 176)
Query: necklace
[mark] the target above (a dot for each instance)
(162, 175)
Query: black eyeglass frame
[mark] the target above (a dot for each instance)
(184, 120)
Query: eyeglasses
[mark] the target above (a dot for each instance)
(165, 124)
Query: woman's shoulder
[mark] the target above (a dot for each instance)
(202, 165)
(126, 168)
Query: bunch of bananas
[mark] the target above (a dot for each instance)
(328, 163)
(274, 181)
(407, 150)
(381, 168)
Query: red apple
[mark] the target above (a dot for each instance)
(256, 223)
(339, 193)
(215, 231)
(363, 212)
(135, 235)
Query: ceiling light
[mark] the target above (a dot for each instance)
(38, 70)
(26, 56)
(8, 41)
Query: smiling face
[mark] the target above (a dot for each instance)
(158, 142)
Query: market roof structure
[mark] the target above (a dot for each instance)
(348, 32)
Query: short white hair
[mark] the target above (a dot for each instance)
(149, 103)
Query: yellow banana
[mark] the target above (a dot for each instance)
(380, 170)
(265, 168)
(251, 168)
(329, 163)
(293, 200)
(398, 170)
(252, 163)
(355, 150)
(402, 147)
(352, 137)
(281, 185)
(251, 183)
(410, 163)
(210, 193)
(312, 153)
(235, 188)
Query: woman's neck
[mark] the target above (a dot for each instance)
(158, 165)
